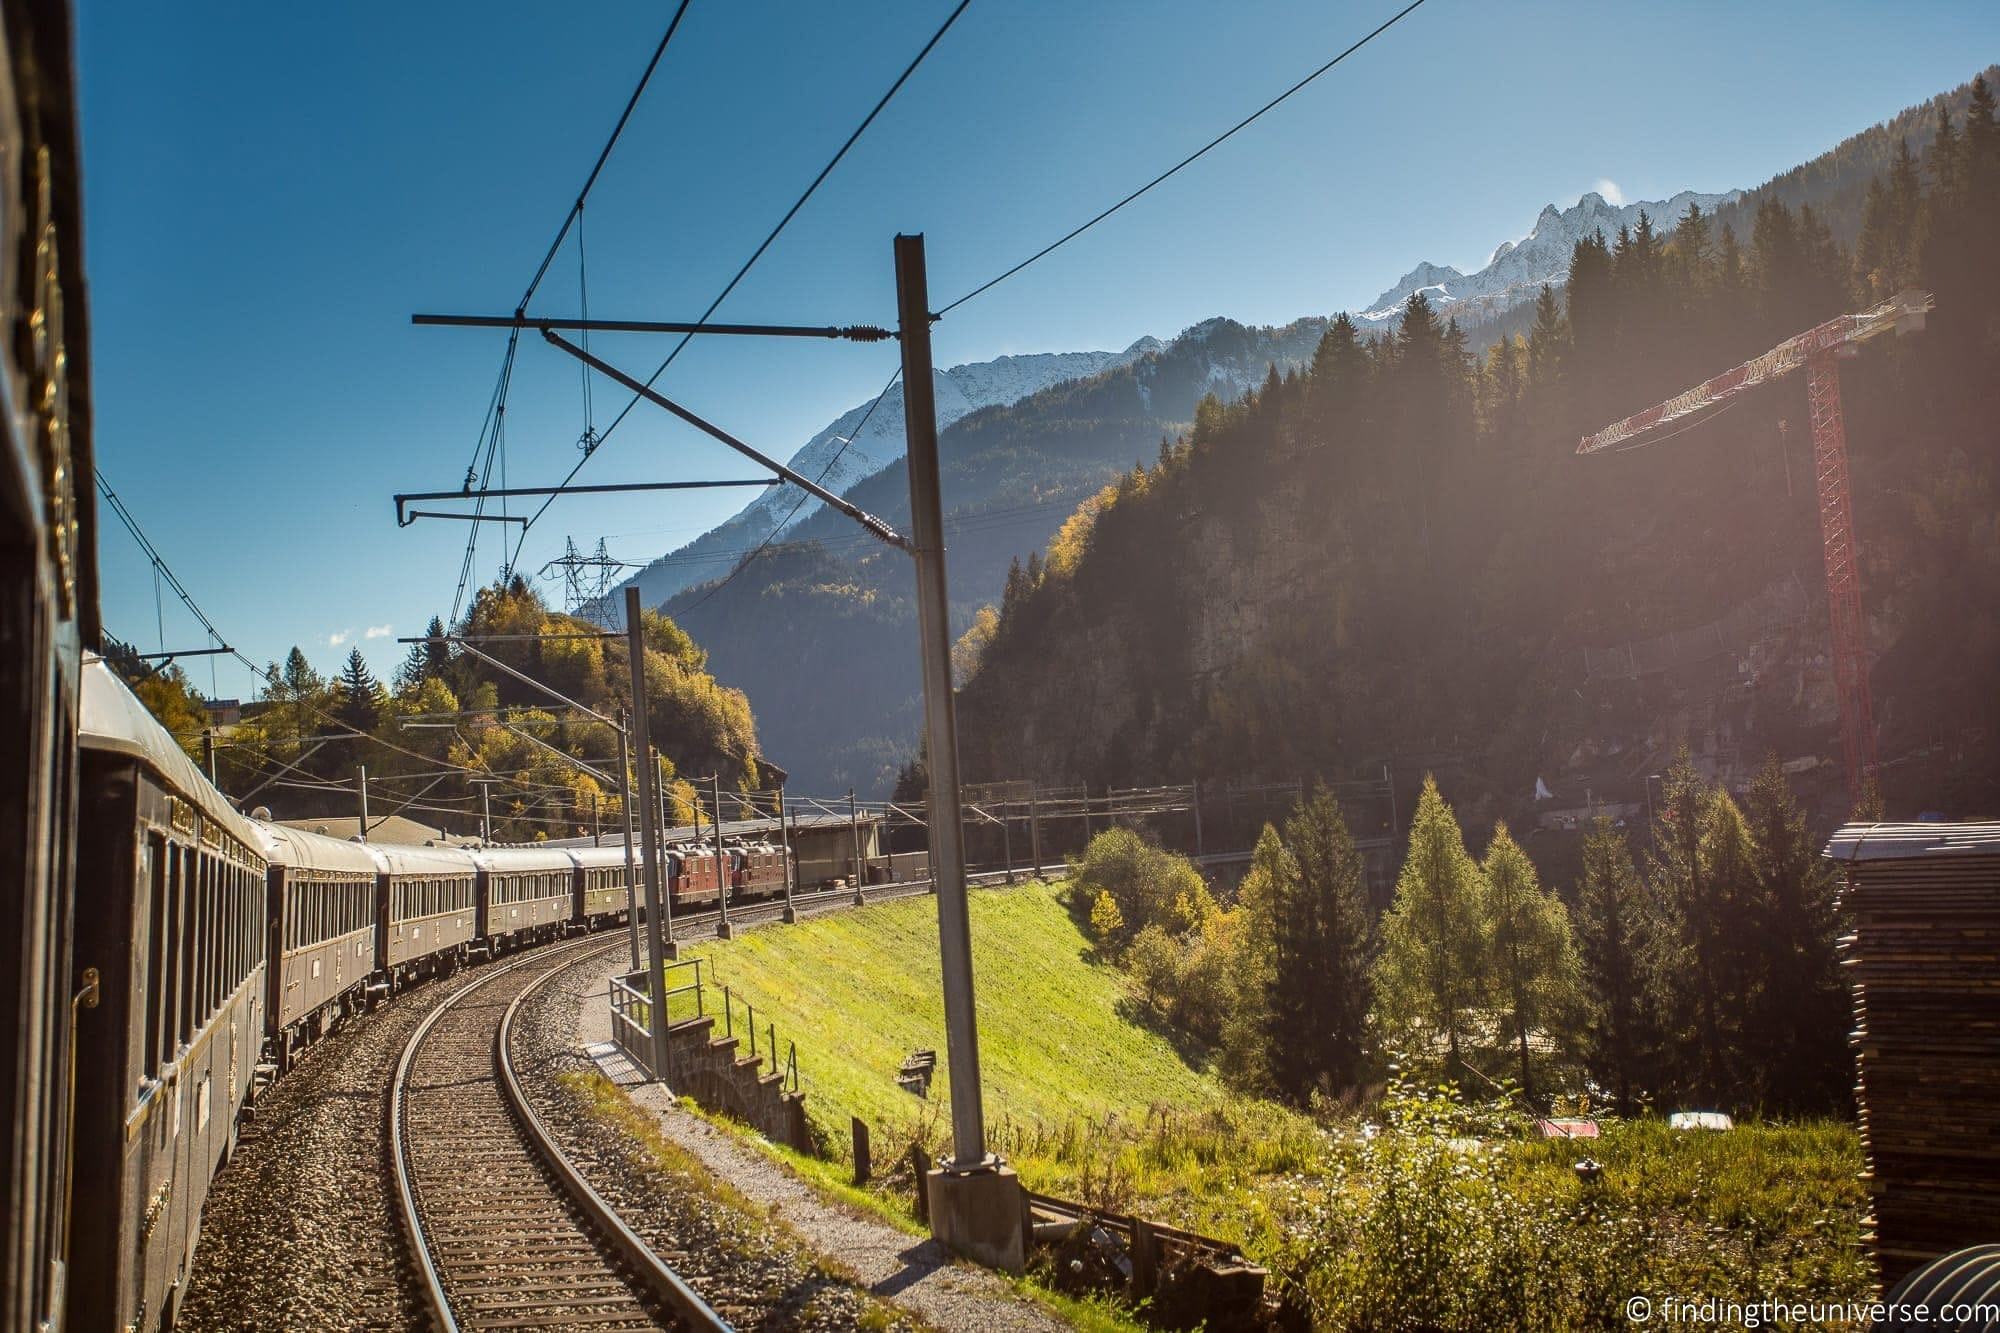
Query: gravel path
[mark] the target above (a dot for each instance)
(752, 1273)
(915, 1274)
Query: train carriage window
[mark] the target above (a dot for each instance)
(153, 870)
(188, 898)
(205, 973)
(210, 937)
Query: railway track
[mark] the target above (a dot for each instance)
(506, 1233)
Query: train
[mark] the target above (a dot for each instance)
(221, 946)
(48, 613)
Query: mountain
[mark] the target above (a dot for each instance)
(1398, 562)
(819, 628)
(1517, 270)
(840, 456)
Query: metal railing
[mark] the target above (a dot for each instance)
(631, 1014)
(788, 1070)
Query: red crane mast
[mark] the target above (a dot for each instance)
(1818, 350)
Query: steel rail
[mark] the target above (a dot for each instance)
(666, 1285)
(409, 1213)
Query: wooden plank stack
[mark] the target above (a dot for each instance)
(1924, 960)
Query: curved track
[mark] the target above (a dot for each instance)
(505, 1232)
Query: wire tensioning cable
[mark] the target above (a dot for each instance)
(1072, 234)
(763, 246)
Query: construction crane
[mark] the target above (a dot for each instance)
(1818, 350)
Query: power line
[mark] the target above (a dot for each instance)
(163, 570)
(160, 569)
(492, 430)
(758, 253)
(1071, 235)
(632, 102)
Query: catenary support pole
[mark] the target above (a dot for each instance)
(940, 721)
(859, 875)
(1035, 826)
(658, 929)
(785, 838)
(625, 829)
(1194, 802)
(362, 786)
(974, 1201)
(723, 930)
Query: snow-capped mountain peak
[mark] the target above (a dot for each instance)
(1518, 269)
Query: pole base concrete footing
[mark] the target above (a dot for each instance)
(725, 930)
(979, 1215)
(671, 950)
(790, 916)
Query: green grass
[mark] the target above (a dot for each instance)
(1382, 1230)
(860, 991)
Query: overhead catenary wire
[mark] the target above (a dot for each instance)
(165, 571)
(1173, 170)
(491, 430)
(764, 245)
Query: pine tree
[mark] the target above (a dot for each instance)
(360, 703)
(1797, 1038)
(413, 670)
(1319, 946)
(1431, 968)
(437, 651)
(1687, 998)
(1532, 962)
(1611, 926)
(1546, 342)
(299, 677)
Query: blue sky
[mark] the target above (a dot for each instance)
(271, 191)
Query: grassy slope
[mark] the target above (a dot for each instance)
(1089, 1104)
(859, 992)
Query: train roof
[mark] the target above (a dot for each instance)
(1897, 842)
(515, 860)
(304, 850)
(113, 720)
(399, 860)
(596, 858)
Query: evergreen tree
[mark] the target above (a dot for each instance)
(1432, 967)
(1797, 1038)
(299, 677)
(1319, 947)
(1611, 925)
(413, 670)
(437, 652)
(360, 704)
(1532, 962)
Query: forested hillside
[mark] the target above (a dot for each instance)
(449, 717)
(827, 613)
(1396, 555)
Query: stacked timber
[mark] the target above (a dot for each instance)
(1924, 961)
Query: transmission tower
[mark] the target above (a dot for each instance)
(587, 579)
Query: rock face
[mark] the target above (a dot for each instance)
(1518, 269)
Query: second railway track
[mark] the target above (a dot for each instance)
(504, 1230)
